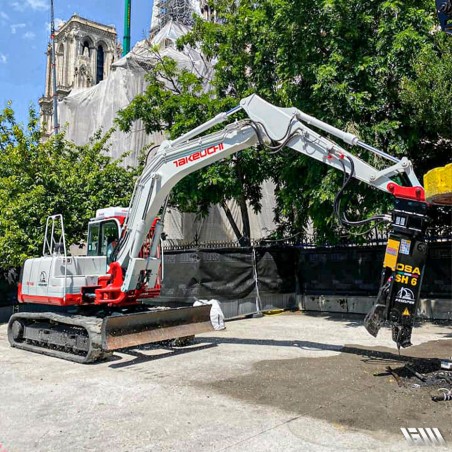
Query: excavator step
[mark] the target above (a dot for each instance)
(86, 339)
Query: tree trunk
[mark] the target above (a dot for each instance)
(231, 220)
(246, 236)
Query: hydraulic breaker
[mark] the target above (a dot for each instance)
(403, 270)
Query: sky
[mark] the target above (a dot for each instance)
(24, 36)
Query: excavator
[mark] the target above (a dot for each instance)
(81, 308)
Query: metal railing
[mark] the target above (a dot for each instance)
(374, 238)
(55, 242)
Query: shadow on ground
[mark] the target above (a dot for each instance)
(148, 353)
(348, 319)
(352, 389)
(357, 320)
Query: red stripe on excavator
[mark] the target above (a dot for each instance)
(19, 293)
(412, 193)
(69, 300)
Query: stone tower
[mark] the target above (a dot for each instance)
(84, 53)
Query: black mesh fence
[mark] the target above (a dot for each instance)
(8, 286)
(248, 279)
(244, 279)
(8, 293)
(340, 271)
(438, 271)
(226, 274)
(355, 271)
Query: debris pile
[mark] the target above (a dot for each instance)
(425, 373)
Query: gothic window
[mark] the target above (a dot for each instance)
(60, 64)
(85, 48)
(100, 64)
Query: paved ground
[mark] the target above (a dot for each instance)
(291, 382)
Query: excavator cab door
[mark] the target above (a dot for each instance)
(103, 236)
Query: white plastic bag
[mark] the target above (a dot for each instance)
(216, 314)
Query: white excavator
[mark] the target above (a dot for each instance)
(81, 308)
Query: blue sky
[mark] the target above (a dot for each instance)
(24, 36)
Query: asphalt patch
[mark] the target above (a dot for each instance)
(353, 389)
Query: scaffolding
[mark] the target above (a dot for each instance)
(179, 11)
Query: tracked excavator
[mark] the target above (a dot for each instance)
(81, 308)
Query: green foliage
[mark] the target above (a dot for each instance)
(174, 100)
(372, 68)
(344, 62)
(40, 179)
(427, 98)
(177, 101)
(429, 92)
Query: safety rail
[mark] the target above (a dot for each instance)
(55, 242)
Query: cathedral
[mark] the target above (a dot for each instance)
(85, 50)
(84, 53)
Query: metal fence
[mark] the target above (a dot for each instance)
(375, 237)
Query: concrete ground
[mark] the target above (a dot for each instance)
(289, 382)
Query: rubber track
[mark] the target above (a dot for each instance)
(91, 325)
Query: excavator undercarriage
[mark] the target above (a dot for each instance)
(90, 338)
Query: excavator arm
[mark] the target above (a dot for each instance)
(274, 127)
(170, 164)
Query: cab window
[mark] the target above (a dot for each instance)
(93, 239)
(109, 234)
(101, 236)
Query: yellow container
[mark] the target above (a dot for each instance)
(438, 185)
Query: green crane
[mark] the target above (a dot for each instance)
(126, 40)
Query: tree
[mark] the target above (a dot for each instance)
(347, 63)
(343, 62)
(427, 97)
(40, 179)
(177, 100)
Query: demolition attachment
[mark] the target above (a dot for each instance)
(403, 269)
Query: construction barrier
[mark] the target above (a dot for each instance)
(330, 279)
(246, 280)
(255, 279)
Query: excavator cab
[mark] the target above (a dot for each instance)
(104, 231)
(101, 235)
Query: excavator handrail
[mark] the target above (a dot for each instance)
(54, 246)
